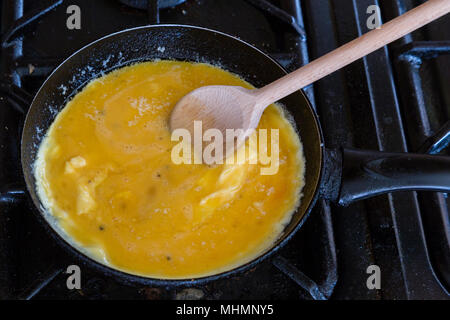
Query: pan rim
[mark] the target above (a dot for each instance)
(141, 279)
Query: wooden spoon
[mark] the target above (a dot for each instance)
(232, 107)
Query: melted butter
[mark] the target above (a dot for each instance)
(104, 171)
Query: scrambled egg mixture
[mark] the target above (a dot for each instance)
(104, 171)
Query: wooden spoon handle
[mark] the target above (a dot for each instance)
(353, 50)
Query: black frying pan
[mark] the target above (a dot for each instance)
(341, 175)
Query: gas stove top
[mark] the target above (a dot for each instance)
(396, 99)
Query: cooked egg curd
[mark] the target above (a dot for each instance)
(104, 171)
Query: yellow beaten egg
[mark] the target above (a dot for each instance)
(104, 171)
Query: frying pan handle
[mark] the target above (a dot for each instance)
(366, 174)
